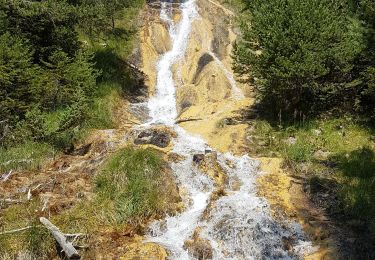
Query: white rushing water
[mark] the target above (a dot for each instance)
(239, 226)
(163, 105)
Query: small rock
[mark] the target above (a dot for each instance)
(198, 247)
(321, 155)
(81, 151)
(317, 131)
(80, 195)
(174, 157)
(230, 164)
(339, 127)
(198, 158)
(291, 140)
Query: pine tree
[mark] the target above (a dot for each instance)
(299, 52)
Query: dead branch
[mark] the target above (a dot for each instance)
(15, 230)
(66, 246)
(10, 201)
(6, 176)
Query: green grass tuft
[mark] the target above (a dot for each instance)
(299, 152)
(131, 185)
(25, 156)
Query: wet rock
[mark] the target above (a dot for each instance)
(198, 247)
(174, 157)
(230, 164)
(154, 137)
(81, 151)
(207, 151)
(198, 158)
(287, 243)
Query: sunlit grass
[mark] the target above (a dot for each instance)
(28, 155)
(130, 184)
(349, 149)
(33, 243)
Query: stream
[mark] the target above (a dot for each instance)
(237, 225)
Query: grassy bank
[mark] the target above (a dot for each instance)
(131, 188)
(337, 156)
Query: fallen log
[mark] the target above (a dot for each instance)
(61, 239)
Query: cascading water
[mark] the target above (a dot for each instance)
(239, 225)
(163, 105)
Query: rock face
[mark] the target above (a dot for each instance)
(203, 88)
(145, 251)
(153, 136)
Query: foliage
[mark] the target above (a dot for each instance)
(300, 54)
(49, 79)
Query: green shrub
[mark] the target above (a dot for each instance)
(299, 53)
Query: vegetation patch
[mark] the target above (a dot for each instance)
(29, 155)
(33, 242)
(132, 185)
(336, 155)
(62, 78)
(131, 188)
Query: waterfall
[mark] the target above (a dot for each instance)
(239, 225)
